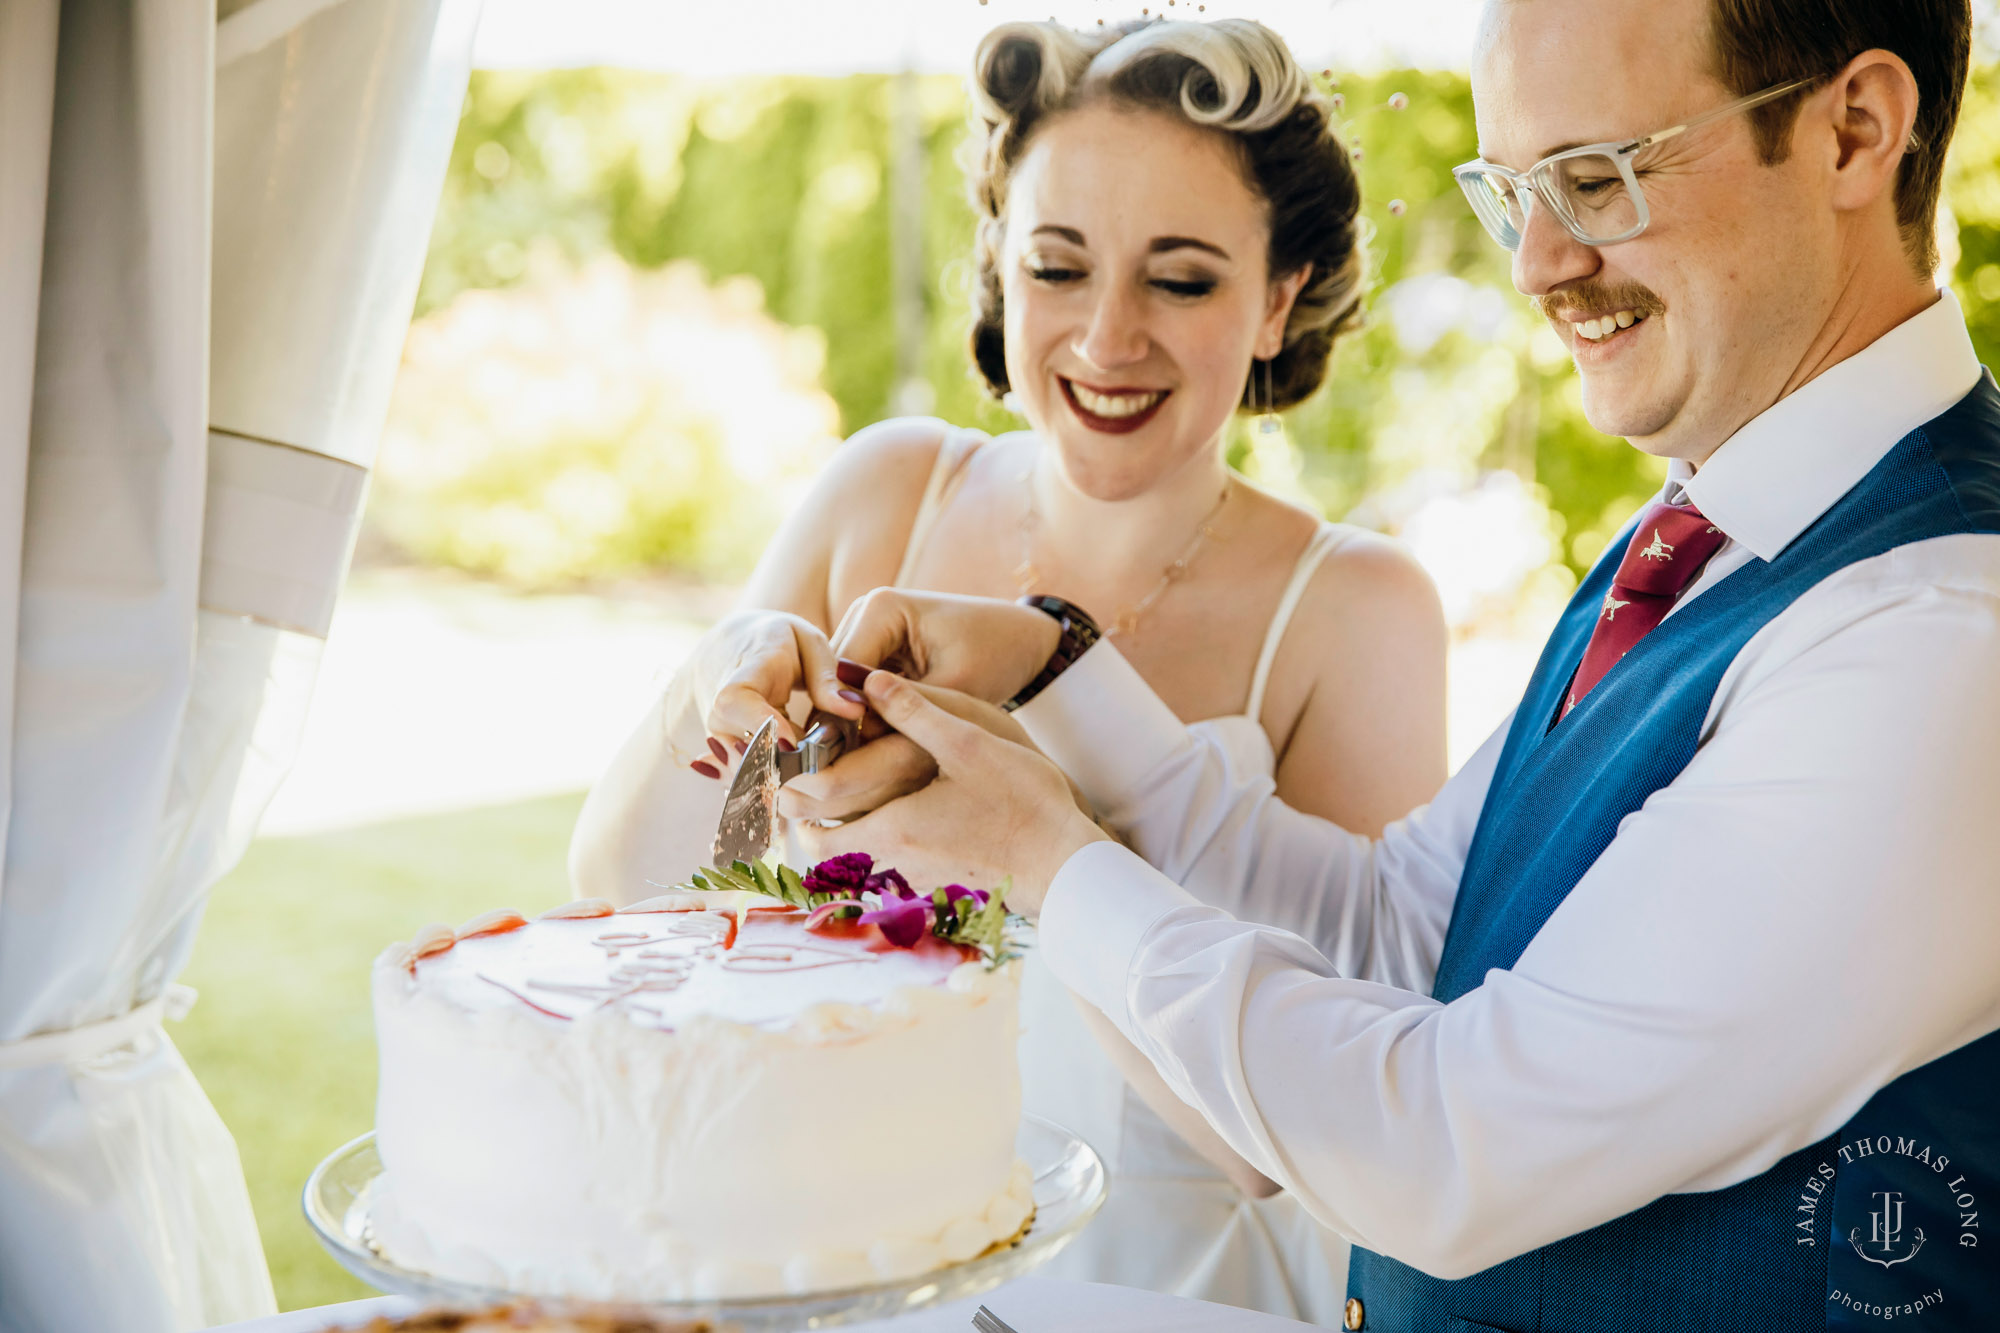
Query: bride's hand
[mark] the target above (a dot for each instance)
(755, 660)
(980, 646)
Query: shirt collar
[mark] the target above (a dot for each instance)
(1773, 478)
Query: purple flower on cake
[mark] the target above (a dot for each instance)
(903, 921)
(887, 881)
(845, 875)
(884, 899)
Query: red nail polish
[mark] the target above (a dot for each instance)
(851, 673)
(719, 750)
(742, 746)
(706, 769)
(851, 696)
(786, 745)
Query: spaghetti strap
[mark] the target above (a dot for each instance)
(1316, 550)
(958, 446)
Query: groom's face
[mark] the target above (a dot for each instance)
(1729, 282)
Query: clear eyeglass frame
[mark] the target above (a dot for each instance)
(1501, 197)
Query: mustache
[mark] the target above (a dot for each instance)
(1600, 297)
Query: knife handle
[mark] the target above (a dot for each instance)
(827, 737)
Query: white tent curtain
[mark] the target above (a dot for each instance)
(211, 234)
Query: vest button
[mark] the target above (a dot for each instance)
(1355, 1314)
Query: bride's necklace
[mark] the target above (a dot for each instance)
(1027, 575)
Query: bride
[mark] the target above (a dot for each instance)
(1167, 236)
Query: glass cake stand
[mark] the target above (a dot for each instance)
(1069, 1188)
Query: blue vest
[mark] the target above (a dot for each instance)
(1824, 1239)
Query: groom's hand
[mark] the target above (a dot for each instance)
(888, 766)
(995, 809)
(981, 646)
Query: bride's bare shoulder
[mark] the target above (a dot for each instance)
(1370, 582)
(867, 501)
(887, 462)
(876, 474)
(1367, 601)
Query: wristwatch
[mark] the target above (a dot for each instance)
(1079, 632)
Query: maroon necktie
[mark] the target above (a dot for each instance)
(1668, 548)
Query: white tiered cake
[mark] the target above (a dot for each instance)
(694, 1098)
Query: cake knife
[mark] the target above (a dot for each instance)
(751, 808)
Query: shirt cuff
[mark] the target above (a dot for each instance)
(1098, 911)
(1103, 725)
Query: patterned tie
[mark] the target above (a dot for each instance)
(1667, 551)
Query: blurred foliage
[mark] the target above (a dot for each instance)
(1972, 195)
(595, 420)
(788, 181)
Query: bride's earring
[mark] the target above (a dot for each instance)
(1271, 461)
(1268, 420)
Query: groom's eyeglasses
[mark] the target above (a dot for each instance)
(1591, 190)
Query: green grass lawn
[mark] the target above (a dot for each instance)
(283, 1039)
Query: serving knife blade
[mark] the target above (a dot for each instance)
(751, 808)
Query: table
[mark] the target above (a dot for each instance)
(1030, 1304)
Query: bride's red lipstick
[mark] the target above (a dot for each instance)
(1111, 425)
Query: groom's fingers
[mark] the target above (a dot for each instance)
(862, 779)
(886, 835)
(952, 741)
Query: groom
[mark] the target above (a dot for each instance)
(1677, 1008)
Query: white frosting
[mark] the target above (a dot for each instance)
(618, 1108)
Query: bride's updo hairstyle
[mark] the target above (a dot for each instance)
(1233, 76)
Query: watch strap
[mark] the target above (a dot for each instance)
(1079, 633)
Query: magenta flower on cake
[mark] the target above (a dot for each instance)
(845, 875)
(903, 915)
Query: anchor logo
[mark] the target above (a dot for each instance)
(1659, 550)
(1885, 1231)
(1611, 606)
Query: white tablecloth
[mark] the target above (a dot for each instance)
(1031, 1305)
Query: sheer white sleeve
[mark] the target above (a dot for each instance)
(650, 818)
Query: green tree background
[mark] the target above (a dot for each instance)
(788, 181)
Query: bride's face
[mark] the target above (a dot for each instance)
(1136, 293)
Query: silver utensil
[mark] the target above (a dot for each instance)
(986, 1321)
(744, 834)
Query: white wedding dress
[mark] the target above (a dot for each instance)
(1173, 1223)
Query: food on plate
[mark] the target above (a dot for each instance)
(520, 1317)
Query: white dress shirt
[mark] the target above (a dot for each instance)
(1809, 910)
